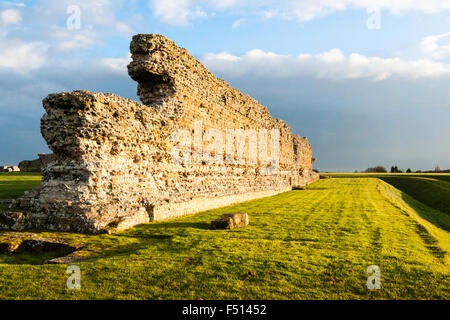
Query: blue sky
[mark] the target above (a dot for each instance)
(365, 80)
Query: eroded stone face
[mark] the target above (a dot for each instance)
(113, 165)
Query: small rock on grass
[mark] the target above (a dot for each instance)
(230, 221)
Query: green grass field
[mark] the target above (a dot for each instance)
(13, 184)
(433, 190)
(305, 244)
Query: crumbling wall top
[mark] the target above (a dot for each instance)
(165, 71)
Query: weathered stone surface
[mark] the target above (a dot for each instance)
(113, 164)
(12, 220)
(230, 221)
(30, 165)
(37, 165)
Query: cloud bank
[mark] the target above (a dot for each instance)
(10, 16)
(22, 56)
(433, 46)
(181, 12)
(332, 64)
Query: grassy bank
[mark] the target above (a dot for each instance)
(13, 184)
(430, 189)
(301, 244)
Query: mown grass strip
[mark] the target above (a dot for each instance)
(306, 244)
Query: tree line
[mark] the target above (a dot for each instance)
(395, 169)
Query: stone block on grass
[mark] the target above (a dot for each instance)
(230, 221)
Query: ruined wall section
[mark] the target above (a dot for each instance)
(173, 82)
(113, 166)
(36, 165)
(102, 176)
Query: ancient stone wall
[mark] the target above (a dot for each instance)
(195, 144)
(36, 165)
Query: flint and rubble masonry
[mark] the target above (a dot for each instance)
(112, 166)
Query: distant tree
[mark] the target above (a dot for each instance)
(356, 171)
(395, 169)
(408, 171)
(378, 169)
(437, 168)
(419, 171)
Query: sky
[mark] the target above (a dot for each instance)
(367, 81)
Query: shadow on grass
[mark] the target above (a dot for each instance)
(431, 242)
(28, 258)
(435, 194)
(158, 235)
(428, 199)
(96, 252)
(153, 229)
(436, 217)
(440, 177)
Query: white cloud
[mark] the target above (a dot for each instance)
(172, 11)
(78, 41)
(10, 16)
(180, 12)
(93, 12)
(116, 65)
(22, 56)
(237, 23)
(98, 19)
(74, 40)
(268, 14)
(430, 45)
(123, 28)
(177, 12)
(332, 64)
(305, 10)
(222, 4)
